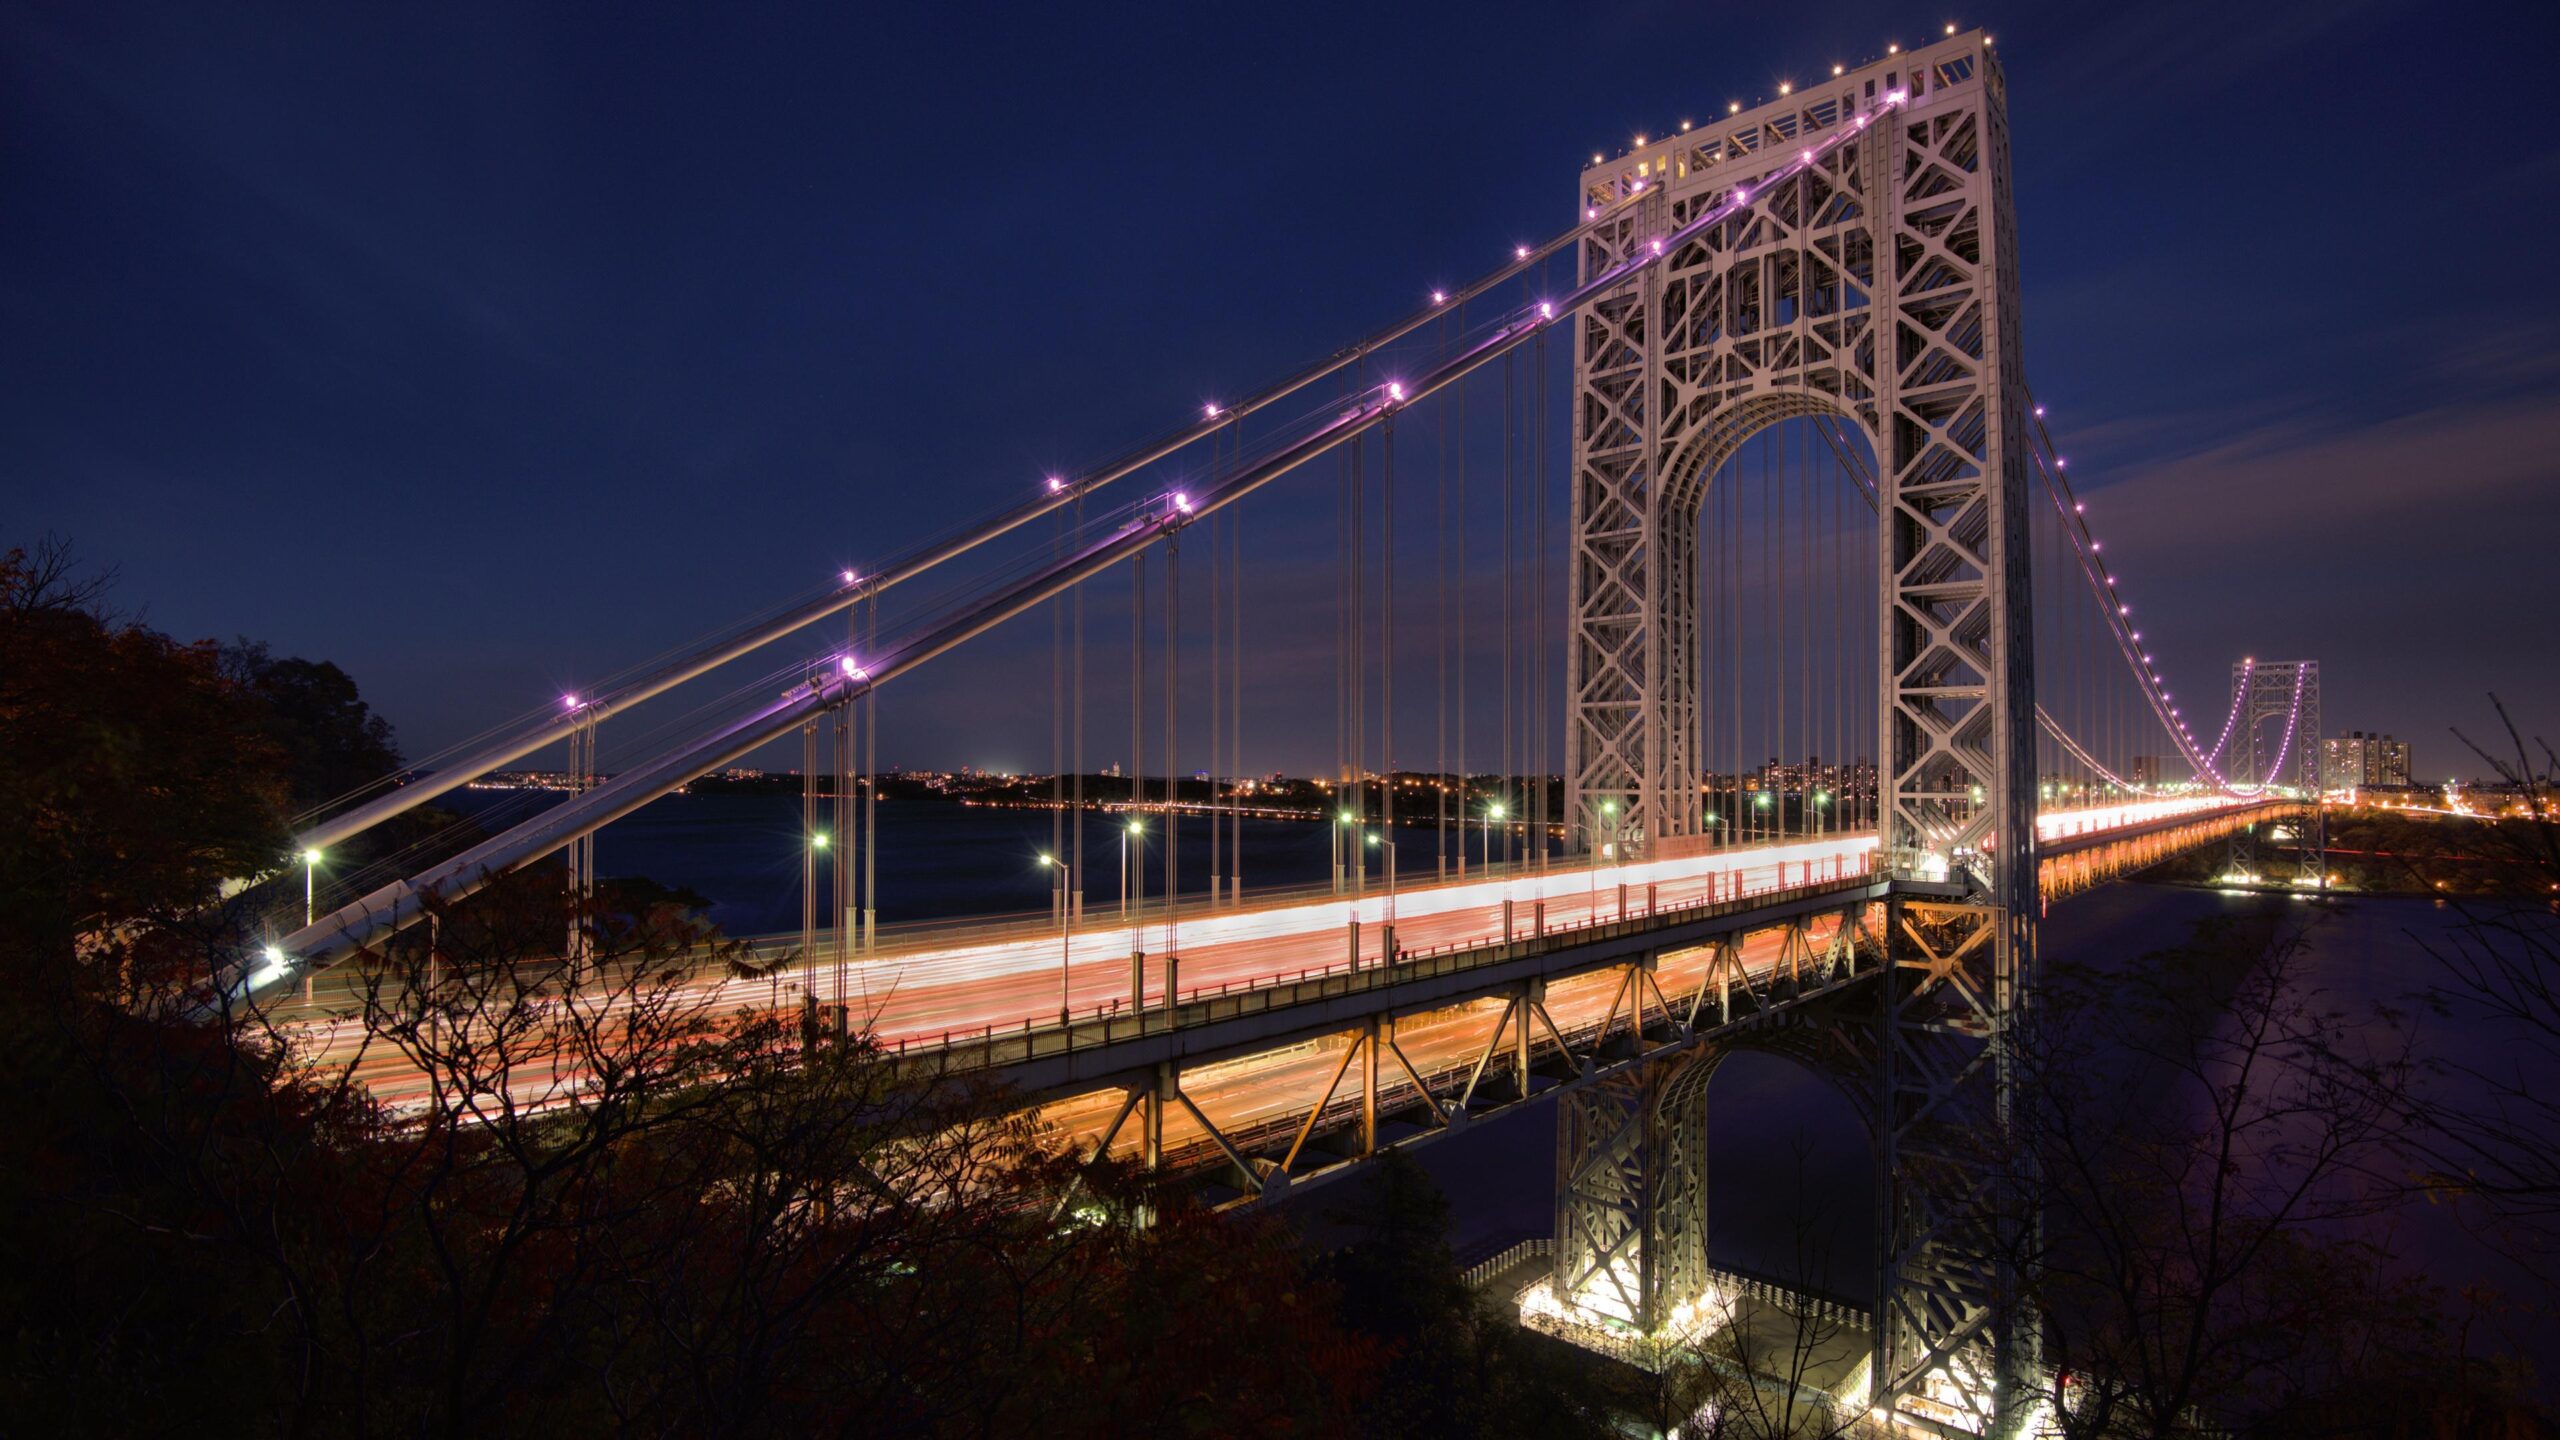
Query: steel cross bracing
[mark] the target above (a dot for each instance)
(1877, 288)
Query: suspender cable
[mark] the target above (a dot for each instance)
(1736, 816)
(1387, 651)
(1440, 647)
(1358, 854)
(1541, 741)
(1217, 705)
(1510, 579)
(1459, 403)
(1136, 880)
(1763, 803)
(1839, 648)
(1172, 772)
(1345, 559)
(1811, 723)
(1064, 908)
(871, 788)
(1235, 687)
(1075, 723)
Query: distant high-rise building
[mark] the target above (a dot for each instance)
(2356, 760)
(2395, 762)
(2149, 769)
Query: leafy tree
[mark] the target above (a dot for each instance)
(136, 778)
(1455, 1367)
(332, 743)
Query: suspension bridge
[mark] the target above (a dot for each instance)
(1810, 509)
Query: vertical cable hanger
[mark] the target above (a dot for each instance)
(1440, 634)
(1172, 772)
(1542, 742)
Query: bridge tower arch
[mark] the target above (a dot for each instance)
(1631, 1168)
(1880, 287)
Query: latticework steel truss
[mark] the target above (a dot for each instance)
(1877, 290)
(2274, 740)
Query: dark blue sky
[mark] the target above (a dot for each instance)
(484, 349)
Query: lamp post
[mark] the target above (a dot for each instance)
(1492, 813)
(1133, 830)
(1342, 822)
(1389, 851)
(310, 867)
(1066, 877)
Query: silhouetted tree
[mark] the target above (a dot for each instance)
(2491, 1131)
(1455, 1367)
(332, 742)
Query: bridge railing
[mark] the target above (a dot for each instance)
(991, 1046)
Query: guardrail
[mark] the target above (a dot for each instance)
(990, 1046)
(1483, 1270)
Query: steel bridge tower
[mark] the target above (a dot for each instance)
(1878, 292)
(2266, 694)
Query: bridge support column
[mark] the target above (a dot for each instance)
(1370, 1039)
(1160, 1088)
(1631, 1201)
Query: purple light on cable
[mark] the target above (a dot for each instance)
(1657, 245)
(1519, 252)
(1896, 97)
(1055, 485)
(2079, 507)
(1546, 310)
(850, 577)
(1395, 390)
(852, 671)
(1211, 409)
(1439, 297)
(568, 702)
(2039, 412)
(1182, 501)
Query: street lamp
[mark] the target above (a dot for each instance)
(310, 866)
(1066, 877)
(1492, 813)
(1341, 820)
(1390, 852)
(1133, 831)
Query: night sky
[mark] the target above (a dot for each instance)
(486, 349)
